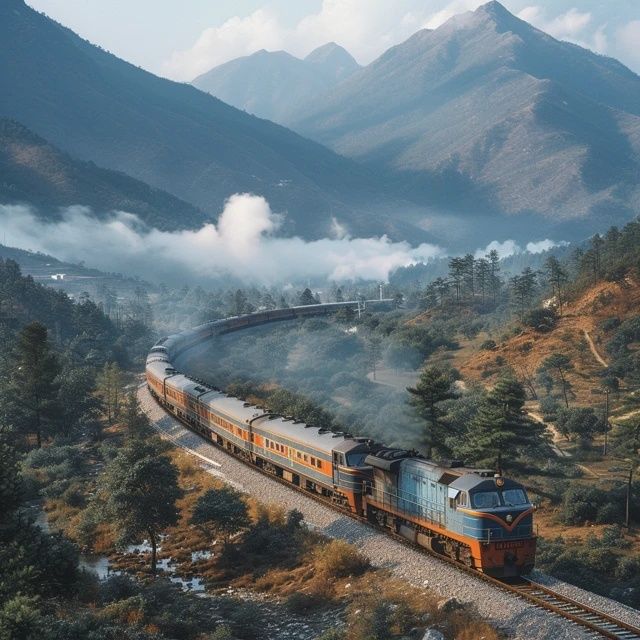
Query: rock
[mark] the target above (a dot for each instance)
(432, 634)
(449, 604)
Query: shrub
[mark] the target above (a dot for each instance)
(580, 504)
(542, 320)
(609, 324)
(549, 407)
(488, 345)
(609, 513)
(338, 559)
(628, 568)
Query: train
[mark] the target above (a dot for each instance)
(476, 517)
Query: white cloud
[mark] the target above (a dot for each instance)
(236, 37)
(504, 249)
(544, 245)
(511, 247)
(366, 28)
(628, 42)
(572, 26)
(242, 244)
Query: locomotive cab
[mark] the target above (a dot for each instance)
(496, 512)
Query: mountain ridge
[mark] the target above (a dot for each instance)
(34, 172)
(271, 84)
(98, 108)
(489, 106)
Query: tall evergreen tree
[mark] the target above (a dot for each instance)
(494, 274)
(501, 428)
(558, 365)
(434, 386)
(306, 297)
(109, 384)
(457, 269)
(33, 390)
(557, 277)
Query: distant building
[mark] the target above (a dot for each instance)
(58, 276)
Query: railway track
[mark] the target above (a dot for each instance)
(600, 624)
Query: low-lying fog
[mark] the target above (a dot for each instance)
(243, 245)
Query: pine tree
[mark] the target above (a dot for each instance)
(502, 427)
(434, 387)
(140, 489)
(558, 365)
(557, 276)
(33, 391)
(494, 274)
(457, 268)
(109, 385)
(306, 298)
(483, 271)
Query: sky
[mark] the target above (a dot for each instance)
(180, 40)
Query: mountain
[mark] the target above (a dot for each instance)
(172, 136)
(333, 61)
(490, 113)
(33, 171)
(272, 84)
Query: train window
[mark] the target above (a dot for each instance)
(514, 497)
(485, 499)
(318, 464)
(461, 499)
(306, 458)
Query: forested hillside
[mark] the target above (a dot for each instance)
(34, 172)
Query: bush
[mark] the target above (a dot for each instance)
(609, 513)
(628, 568)
(609, 324)
(542, 320)
(549, 407)
(580, 504)
(338, 559)
(488, 345)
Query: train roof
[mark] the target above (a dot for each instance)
(319, 439)
(233, 408)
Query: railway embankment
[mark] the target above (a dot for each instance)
(517, 618)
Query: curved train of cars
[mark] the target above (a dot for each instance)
(475, 516)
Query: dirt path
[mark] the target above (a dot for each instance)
(556, 436)
(625, 416)
(592, 346)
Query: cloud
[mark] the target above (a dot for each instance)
(242, 244)
(366, 28)
(235, 38)
(511, 247)
(627, 39)
(572, 26)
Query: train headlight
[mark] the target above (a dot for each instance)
(509, 518)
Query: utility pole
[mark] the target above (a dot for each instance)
(627, 514)
(606, 421)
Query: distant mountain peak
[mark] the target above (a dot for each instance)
(327, 49)
(333, 60)
(499, 15)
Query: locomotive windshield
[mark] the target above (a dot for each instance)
(492, 499)
(514, 497)
(485, 499)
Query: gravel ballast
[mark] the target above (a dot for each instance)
(516, 617)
